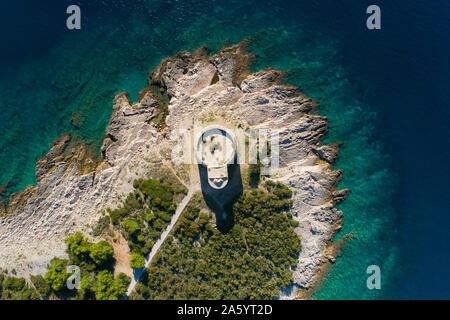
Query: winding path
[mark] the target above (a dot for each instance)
(157, 245)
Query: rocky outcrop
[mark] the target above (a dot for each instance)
(328, 153)
(261, 100)
(219, 88)
(73, 188)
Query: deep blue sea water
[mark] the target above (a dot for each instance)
(385, 93)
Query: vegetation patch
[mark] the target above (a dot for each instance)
(162, 111)
(215, 78)
(96, 264)
(157, 90)
(251, 261)
(13, 288)
(143, 215)
(97, 282)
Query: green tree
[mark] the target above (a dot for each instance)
(149, 217)
(105, 287)
(14, 284)
(78, 247)
(86, 284)
(137, 261)
(119, 286)
(102, 284)
(101, 253)
(131, 226)
(41, 285)
(57, 275)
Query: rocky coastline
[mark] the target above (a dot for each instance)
(74, 186)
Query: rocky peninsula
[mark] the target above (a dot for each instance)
(74, 186)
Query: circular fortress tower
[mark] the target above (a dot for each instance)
(215, 149)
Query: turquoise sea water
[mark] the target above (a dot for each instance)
(60, 75)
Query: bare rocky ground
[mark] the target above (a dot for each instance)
(73, 189)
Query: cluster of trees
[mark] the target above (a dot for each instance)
(104, 286)
(13, 288)
(137, 261)
(96, 264)
(89, 255)
(97, 281)
(251, 261)
(145, 214)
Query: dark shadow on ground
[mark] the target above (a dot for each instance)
(221, 201)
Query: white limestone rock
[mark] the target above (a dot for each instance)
(39, 218)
